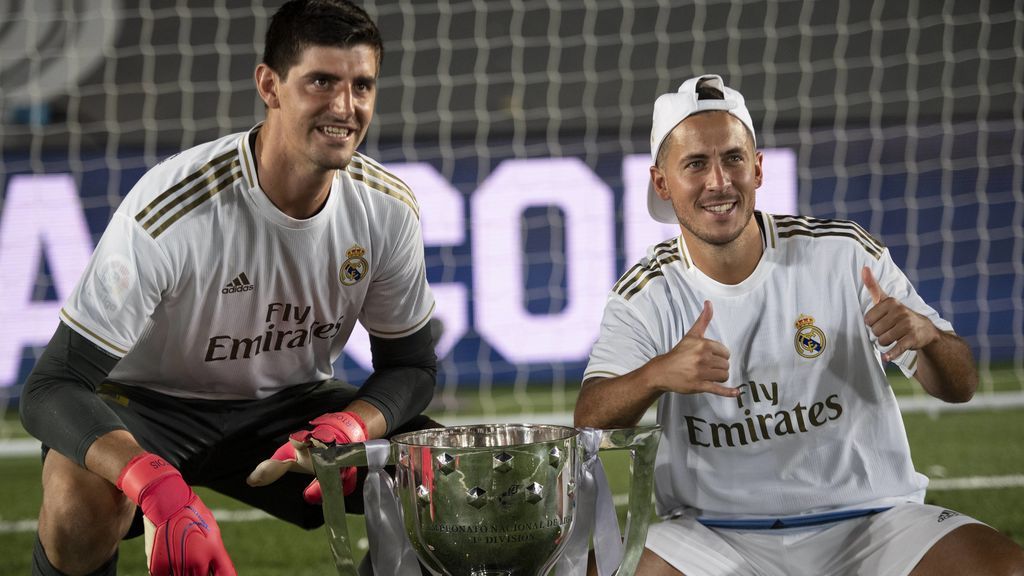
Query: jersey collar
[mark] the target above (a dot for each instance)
(247, 152)
(770, 242)
(769, 235)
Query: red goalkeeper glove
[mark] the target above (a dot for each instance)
(293, 455)
(186, 539)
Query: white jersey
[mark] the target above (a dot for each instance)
(816, 427)
(204, 289)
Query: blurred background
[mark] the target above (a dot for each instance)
(523, 127)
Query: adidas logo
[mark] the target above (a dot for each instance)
(239, 284)
(947, 514)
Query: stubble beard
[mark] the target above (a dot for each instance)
(707, 236)
(329, 158)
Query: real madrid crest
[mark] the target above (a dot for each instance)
(355, 267)
(810, 340)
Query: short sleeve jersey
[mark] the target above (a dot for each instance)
(816, 427)
(204, 289)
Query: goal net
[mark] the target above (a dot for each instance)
(523, 128)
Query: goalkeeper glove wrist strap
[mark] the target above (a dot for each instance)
(348, 423)
(147, 475)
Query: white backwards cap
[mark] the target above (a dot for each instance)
(671, 109)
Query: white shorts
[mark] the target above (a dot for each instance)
(887, 543)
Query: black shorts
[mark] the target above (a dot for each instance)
(217, 444)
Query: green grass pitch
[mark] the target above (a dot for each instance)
(952, 445)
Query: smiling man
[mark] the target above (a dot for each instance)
(763, 339)
(197, 348)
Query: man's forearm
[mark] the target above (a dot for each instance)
(399, 394)
(945, 369)
(618, 402)
(110, 453)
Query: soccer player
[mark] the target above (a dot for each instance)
(202, 334)
(764, 339)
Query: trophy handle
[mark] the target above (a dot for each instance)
(642, 442)
(328, 460)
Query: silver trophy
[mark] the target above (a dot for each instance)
(492, 500)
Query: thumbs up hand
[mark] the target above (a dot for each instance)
(894, 323)
(696, 364)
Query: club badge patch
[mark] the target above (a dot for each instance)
(355, 267)
(810, 340)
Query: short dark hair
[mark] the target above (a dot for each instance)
(299, 24)
(704, 92)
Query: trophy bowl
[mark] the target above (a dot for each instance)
(488, 500)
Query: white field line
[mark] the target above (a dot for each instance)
(977, 482)
(222, 516)
(19, 447)
(252, 515)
